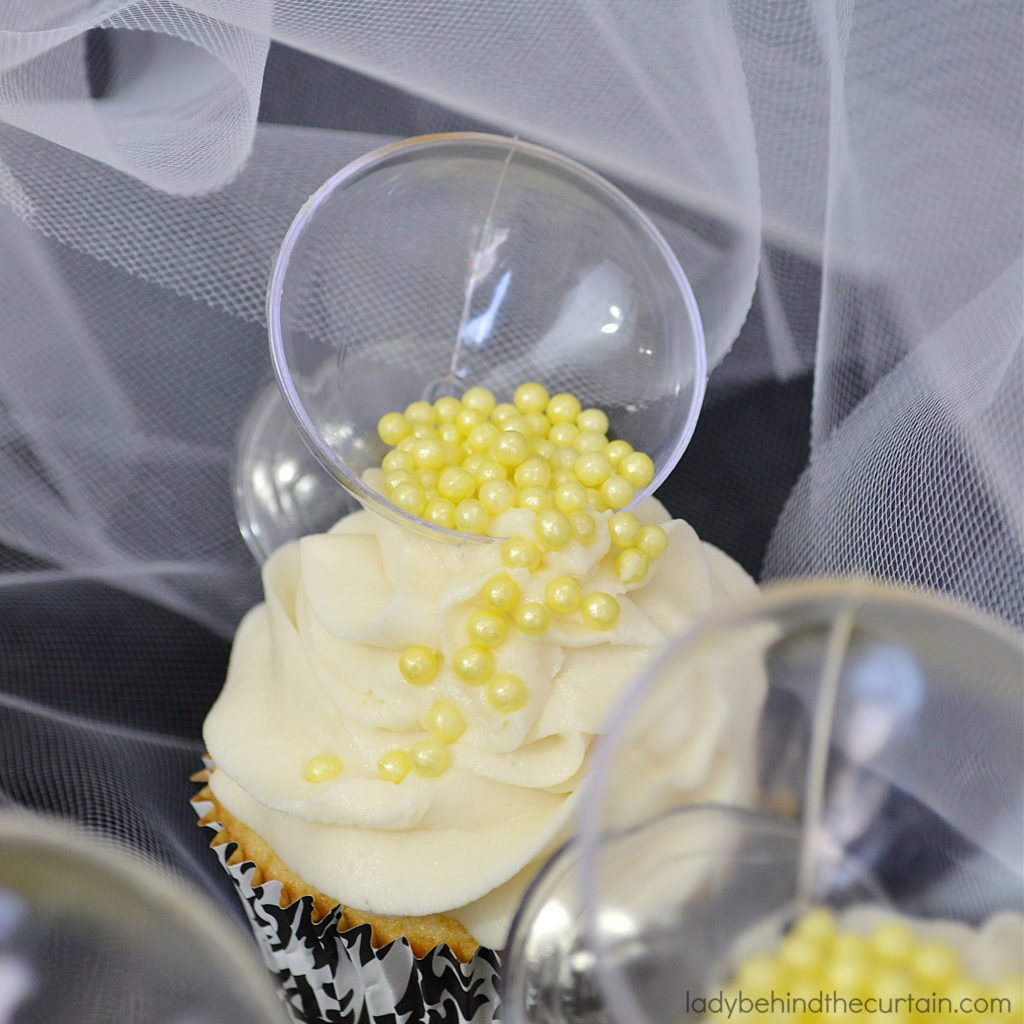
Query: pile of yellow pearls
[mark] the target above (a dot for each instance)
(816, 959)
(460, 464)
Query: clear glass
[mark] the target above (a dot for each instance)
(447, 261)
(91, 934)
(887, 768)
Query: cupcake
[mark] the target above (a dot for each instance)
(405, 722)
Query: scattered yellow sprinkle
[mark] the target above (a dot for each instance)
(473, 664)
(429, 758)
(600, 610)
(418, 665)
(564, 595)
(506, 693)
(394, 766)
(500, 592)
(487, 628)
(322, 768)
(445, 722)
(533, 618)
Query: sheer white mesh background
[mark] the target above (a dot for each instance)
(852, 168)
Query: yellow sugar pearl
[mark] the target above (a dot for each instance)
(652, 540)
(502, 412)
(481, 436)
(570, 496)
(532, 471)
(563, 595)
(397, 460)
(637, 468)
(440, 512)
(632, 565)
(420, 413)
(500, 592)
(538, 424)
(487, 628)
(595, 499)
(444, 721)
(818, 923)
(533, 618)
(418, 665)
(506, 693)
(498, 496)
(488, 469)
(563, 433)
(520, 423)
(409, 496)
(600, 610)
(456, 483)
(479, 399)
(322, 768)
(429, 452)
(934, 962)
(447, 408)
(591, 441)
(427, 479)
(520, 553)
(531, 397)
(583, 526)
(759, 973)
(535, 498)
(510, 448)
(563, 476)
(592, 468)
(467, 419)
(392, 427)
(471, 516)
(472, 462)
(563, 408)
(544, 448)
(449, 432)
(473, 664)
(406, 444)
(552, 529)
(429, 758)
(617, 491)
(394, 766)
(617, 451)
(800, 955)
(453, 453)
(893, 942)
(397, 476)
(624, 529)
(563, 459)
(593, 419)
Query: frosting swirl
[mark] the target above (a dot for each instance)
(314, 671)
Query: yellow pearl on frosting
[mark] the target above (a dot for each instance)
(392, 427)
(652, 540)
(418, 665)
(563, 595)
(322, 768)
(520, 553)
(531, 397)
(617, 491)
(535, 498)
(487, 628)
(444, 721)
(506, 693)
(500, 592)
(532, 618)
(570, 496)
(552, 529)
(631, 565)
(429, 758)
(600, 610)
(584, 526)
(473, 664)
(394, 766)
(498, 496)
(624, 529)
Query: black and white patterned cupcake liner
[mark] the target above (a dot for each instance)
(337, 977)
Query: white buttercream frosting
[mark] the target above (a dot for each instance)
(314, 670)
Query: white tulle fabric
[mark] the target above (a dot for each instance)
(878, 144)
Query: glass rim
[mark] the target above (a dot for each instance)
(357, 168)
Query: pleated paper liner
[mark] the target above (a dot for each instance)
(341, 966)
